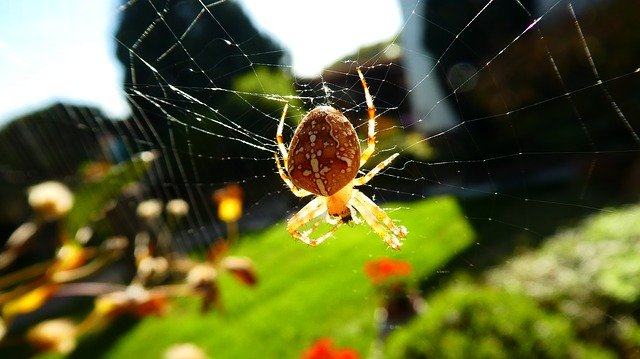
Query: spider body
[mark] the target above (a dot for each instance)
(324, 154)
(323, 159)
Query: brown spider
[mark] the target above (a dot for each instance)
(323, 160)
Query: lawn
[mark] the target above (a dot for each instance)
(303, 293)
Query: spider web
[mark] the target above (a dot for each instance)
(524, 111)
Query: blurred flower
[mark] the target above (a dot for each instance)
(58, 335)
(241, 268)
(149, 209)
(153, 267)
(114, 246)
(202, 279)
(29, 301)
(95, 171)
(229, 200)
(3, 329)
(177, 208)
(134, 300)
(70, 256)
(200, 274)
(185, 351)
(323, 349)
(398, 301)
(17, 241)
(50, 200)
(378, 271)
(84, 234)
(217, 250)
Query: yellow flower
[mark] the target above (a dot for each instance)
(229, 200)
(29, 301)
(70, 256)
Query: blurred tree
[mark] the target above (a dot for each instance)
(189, 46)
(464, 35)
(184, 60)
(49, 144)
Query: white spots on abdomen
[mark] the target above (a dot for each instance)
(314, 165)
(346, 160)
(323, 190)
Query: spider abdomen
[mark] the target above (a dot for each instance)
(324, 154)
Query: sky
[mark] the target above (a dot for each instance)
(64, 50)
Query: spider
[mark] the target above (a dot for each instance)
(323, 160)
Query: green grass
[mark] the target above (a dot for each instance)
(304, 293)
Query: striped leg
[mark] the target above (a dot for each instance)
(299, 192)
(279, 140)
(310, 212)
(371, 131)
(378, 220)
(366, 178)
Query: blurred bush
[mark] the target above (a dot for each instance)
(576, 296)
(471, 321)
(591, 274)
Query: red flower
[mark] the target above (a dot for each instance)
(382, 269)
(323, 349)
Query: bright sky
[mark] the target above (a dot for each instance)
(58, 50)
(63, 50)
(345, 25)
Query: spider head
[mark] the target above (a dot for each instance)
(337, 205)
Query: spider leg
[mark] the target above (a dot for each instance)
(315, 242)
(299, 192)
(366, 178)
(371, 132)
(281, 146)
(378, 220)
(312, 210)
(354, 214)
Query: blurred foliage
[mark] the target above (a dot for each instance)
(50, 143)
(305, 293)
(471, 321)
(590, 274)
(215, 109)
(265, 85)
(93, 197)
(575, 296)
(111, 272)
(216, 36)
(265, 90)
